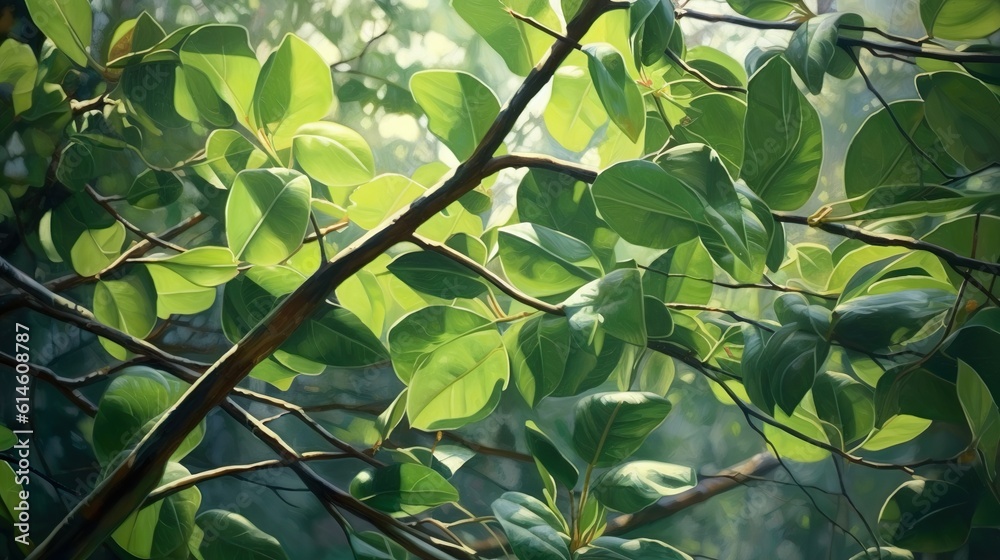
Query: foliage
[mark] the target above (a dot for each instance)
(211, 173)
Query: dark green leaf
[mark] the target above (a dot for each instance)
(610, 427)
(633, 486)
(403, 489)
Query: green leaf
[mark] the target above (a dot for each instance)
(460, 108)
(426, 329)
(532, 530)
(618, 92)
(646, 205)
(403, 489)
(371, 545)
(229, 536)
(574, 112)
(716, 119)
(128, 305)
(544, 262)
(154, 189)
(958, 105)
(588, 365)
(614, 548)
(558, 202)
(130, 406)
(610, 427)
(689, 259)
(176, 295)
(813, 51)
(162, 530)
(96, 249)
(333, 154)
(539, 351)
(546, 453)
(391, 416)
(959, 19)
(248, 298)
(336, 337)
(899, 429)
(18, 69)
(977, 403)
(635, 485)
(878, 321)
(437, 275)
(651, 26)
(783, 138)
(459, 383)
(203, 266)
(223, 54)
(613, 303)
(68, 23)
(785, 368)
(772, 10)
(291, 91)
(927, 516)
(267, 214)
(520, 44)
(227, 153)
(917, 392)
(844, 403)
(383, 196)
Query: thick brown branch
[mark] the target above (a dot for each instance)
(93, 520)
(707, 487)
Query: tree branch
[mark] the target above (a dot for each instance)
(93, 520)
(104, 203)
(917, 51)
(708, 487)
(486, 273)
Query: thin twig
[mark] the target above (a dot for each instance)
(701, 76)
(103, 202)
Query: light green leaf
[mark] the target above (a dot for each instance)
(333, 154)
(294, 88)
(716, 119)
(689, 265)
(977, 403)
(574, 112)
(132, 403)
(635, 485)
(203, 266)
(267, 214)
(227, 153)
(68, 23)
(959, 19)
(610, 427)
(544, 262)
(772, 10)
(899, 429)
(647, 206)
(459, 106)
(403, 489)
(426, 329)
(176, 295)
(520, 44)
(383, 196)
(230, 536)
(783, 138)
(162, 530)
(96, 249)
(128, 305)
(18, 69)
(618, 92)
(223, 54)
(459, 383)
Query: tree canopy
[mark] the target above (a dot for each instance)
(477, 279)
